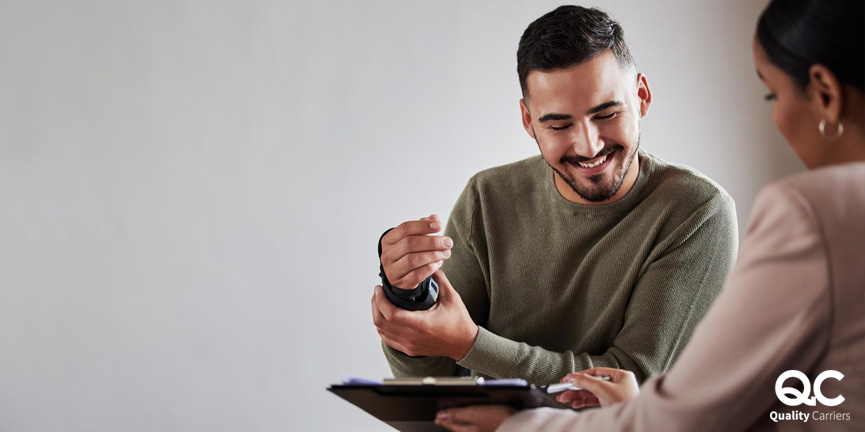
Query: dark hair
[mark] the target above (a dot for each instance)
(797, 34)
(568, 36)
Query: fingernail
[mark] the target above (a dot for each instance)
(443, 415)
(446, 253)
(436, 225)
(448, 242)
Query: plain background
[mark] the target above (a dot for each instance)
(192, 190)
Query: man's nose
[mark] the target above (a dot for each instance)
(587, 141)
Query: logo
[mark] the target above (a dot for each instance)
(793, 397)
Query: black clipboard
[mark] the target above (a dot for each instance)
(413, 408)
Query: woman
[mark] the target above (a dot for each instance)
(796, 298)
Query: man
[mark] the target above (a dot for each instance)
(594, 254)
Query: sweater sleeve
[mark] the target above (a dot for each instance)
(672, 294)
(467, 273)
(773, 316)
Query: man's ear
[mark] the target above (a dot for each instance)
(527, 118)
(644, 93)
(826, 94)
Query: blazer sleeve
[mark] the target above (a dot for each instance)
(773, 315)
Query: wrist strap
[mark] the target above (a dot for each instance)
(422, 297)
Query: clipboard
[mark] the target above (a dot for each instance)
(413, 408)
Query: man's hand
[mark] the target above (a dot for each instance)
(476, 418)
(446, 329)
(411, 253)
(621, 387)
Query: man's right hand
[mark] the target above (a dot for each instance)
(411, 252)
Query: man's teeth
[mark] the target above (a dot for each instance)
(592, 165)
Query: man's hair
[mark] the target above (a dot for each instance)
(566, 37)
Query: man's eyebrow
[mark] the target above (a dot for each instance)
(553, 116)
(760, 75)
(597, 109)
(604, 106)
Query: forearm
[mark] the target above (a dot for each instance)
(499, 357)
(406, 366)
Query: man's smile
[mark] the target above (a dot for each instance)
(592, 166)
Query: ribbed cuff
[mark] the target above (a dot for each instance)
(491, 355)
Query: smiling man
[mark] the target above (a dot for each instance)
(595, 253)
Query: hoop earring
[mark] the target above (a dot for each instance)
(838, 132)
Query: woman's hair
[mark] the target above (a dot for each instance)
(797, 34)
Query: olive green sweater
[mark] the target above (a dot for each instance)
(558, 287)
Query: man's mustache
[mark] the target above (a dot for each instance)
(603, 152)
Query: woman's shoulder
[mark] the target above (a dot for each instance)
(827, 205)
(834, 194)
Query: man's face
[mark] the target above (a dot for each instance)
(586, 121)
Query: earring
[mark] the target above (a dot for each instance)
(838, 133)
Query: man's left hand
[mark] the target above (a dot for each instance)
(476, 418)
(446, 329)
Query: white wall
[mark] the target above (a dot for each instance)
(192, 190)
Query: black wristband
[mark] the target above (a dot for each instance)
(422, 297)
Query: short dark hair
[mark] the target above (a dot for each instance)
(797, 34)
(568, 36)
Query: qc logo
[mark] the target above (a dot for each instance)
(791, 396)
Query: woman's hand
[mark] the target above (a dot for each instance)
(621, 387)
(476, 418)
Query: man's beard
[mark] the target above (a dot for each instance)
(601, 191)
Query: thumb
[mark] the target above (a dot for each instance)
(447, 293)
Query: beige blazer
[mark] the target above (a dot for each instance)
(794, 300)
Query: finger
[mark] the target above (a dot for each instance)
(392, 337)
(412, 228)
(377, 318)
(416, 276)
(396, 324)
(407, 253)
(614, 374)
(391, 313)
(568, 377)
(415, 253)
(455, 427)
(444, 418)
(455, 419)
(585, 402)
(395, 345)
(388, 332)
(431, 218)
(572, 395)
(473, 414)
(414, 260)
(598, 387)
(419, 243)
(384, 327)
(447, 292)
